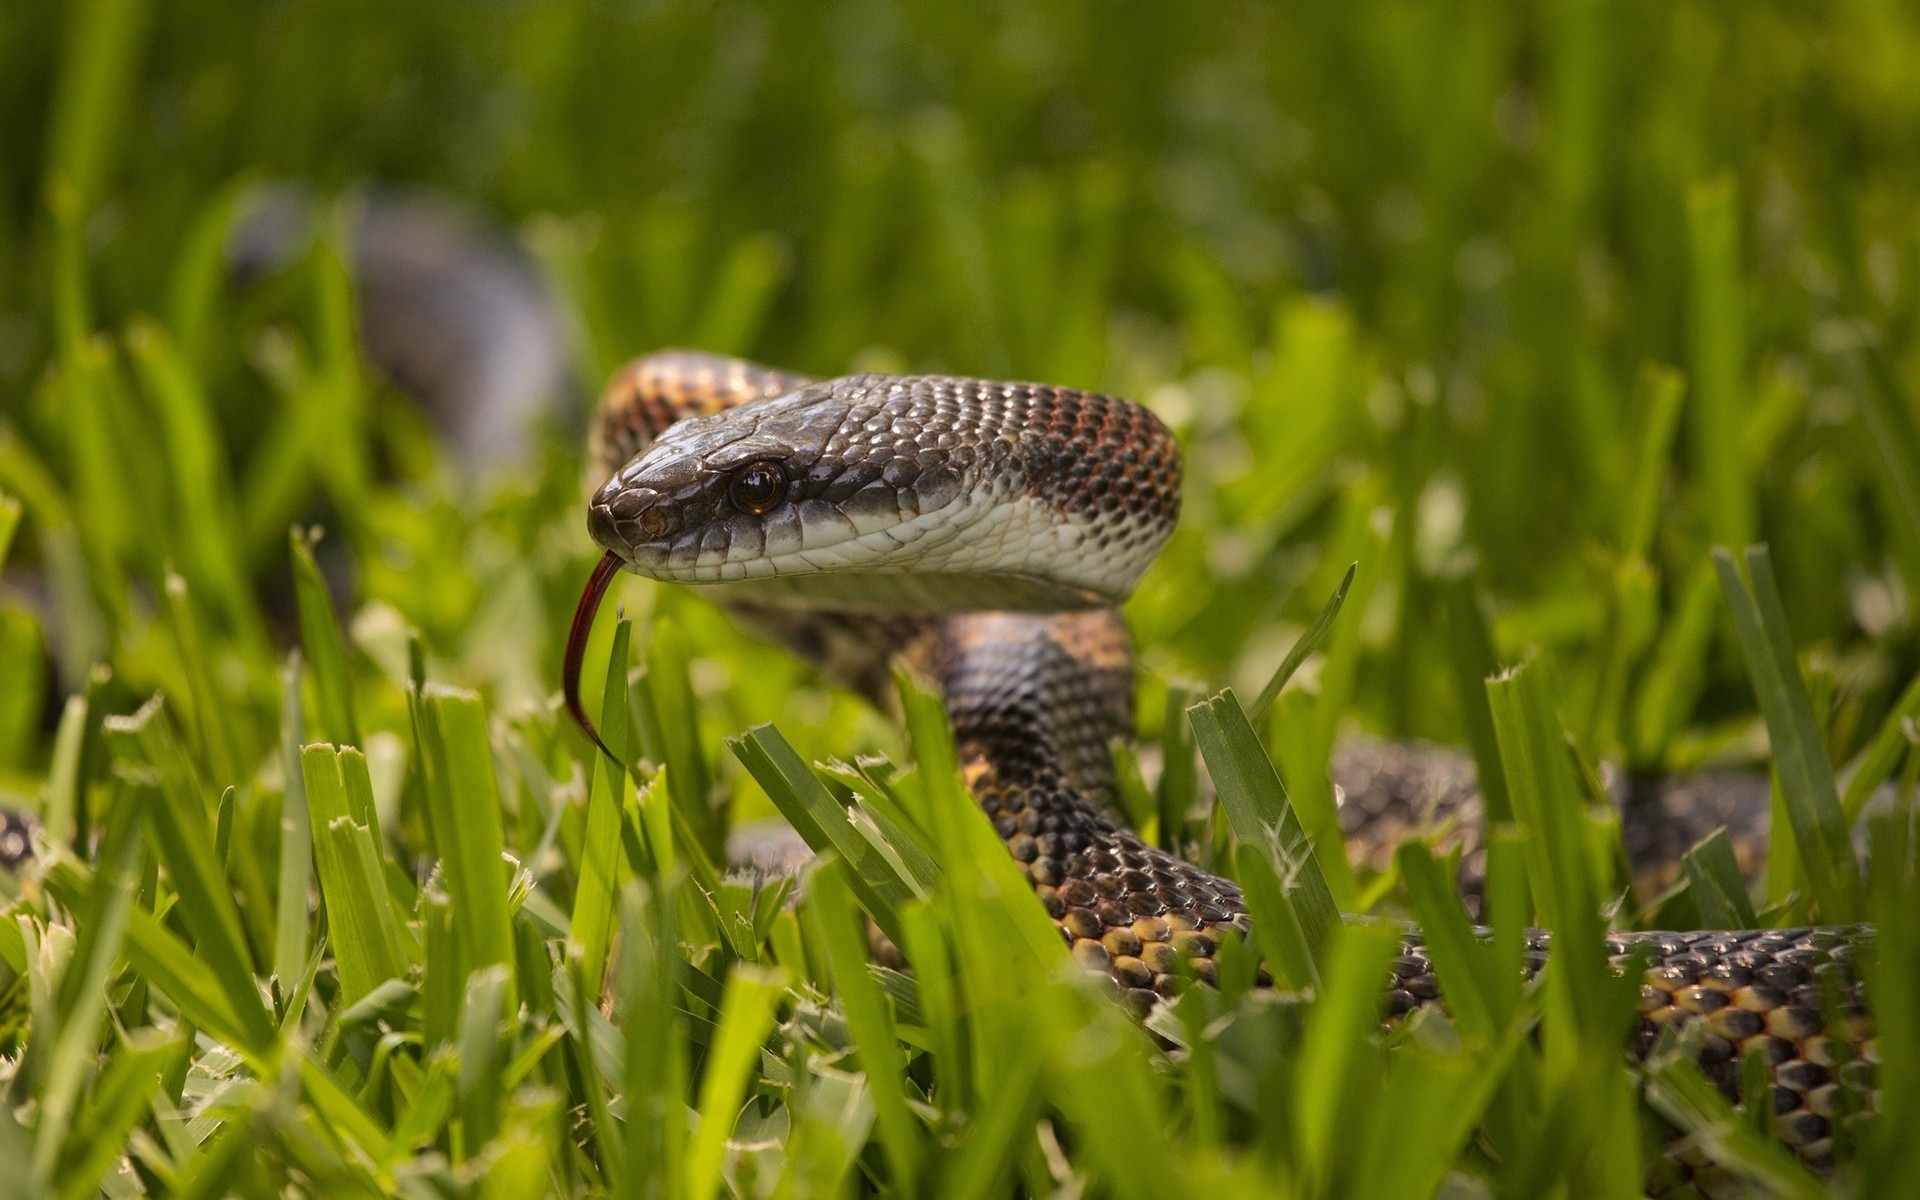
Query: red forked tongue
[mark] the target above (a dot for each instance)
(577, 646)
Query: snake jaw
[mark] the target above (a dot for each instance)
(583, 614)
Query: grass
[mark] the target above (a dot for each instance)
(1523, 310)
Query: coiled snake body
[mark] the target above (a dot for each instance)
(984, 532)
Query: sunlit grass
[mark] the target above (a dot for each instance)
(1522, 310)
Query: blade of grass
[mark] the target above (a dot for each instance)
(9, 524)
(1547, 805)
(1335, 1073)
(370, 946)
(168, 966)
(746, 1015)
(1719, 890)
(1892, 975)
(213, 555)
(178, 818)
(669, 718)
(326, 653)
(593, 1076)
(477, 1088)
(1679, 1091)
(813, 812)
(121, 1097)
(1307, 643)
(1717, 356)
(217, 742)
(463, 808)
(837, 926)
(79, 1030)
(591, 927)
(1258, 809)
(296, 835)
(99, 63)
(1677, 670)
(1179, 789)
(1665, 389)
(1470, 655)
(1277, 929)
(1427, 1108)
(1877, 763)
(1799, 752)
(655, 1079)
(1464, 964)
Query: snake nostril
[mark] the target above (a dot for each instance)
(627, 505)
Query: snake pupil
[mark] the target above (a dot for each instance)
(757, 487)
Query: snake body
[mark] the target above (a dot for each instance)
(983, 532)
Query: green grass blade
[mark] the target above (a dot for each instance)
(837, 926)
(1676, 1088)
(1877, 763)
(1717, 358)
(1307, 644)
(822, 823)
(477, 1088)
(1713, 874)
(218, 744)
(1877, 399)
(463, 808)
(99, 65)
(369, 942)
(655, 1071)
(1464, 964)
(208, 532)
(9, 524)
(671, 719)
(83, 1007)
(1892, 975)
(1677, 668)
(1547, 804)
(326, 653)
(1665, 389)
(1472, 661)
(593, 1077)
(296, 835)
(1258, 809)
(1335, 1073)
(183, 835)
(1799, 752)
(591, 927)
(121, 1097)
(991, 898)
(1277, 927)
(1427, 1109)
(1179, 789)
(746, 1014)
(168, 966)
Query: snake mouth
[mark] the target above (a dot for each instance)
(583, 614)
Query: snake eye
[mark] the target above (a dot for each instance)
(757, 487)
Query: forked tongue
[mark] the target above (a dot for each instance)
(603, 574)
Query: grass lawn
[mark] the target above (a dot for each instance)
(1537, 316)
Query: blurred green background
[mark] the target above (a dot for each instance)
(1523, 307)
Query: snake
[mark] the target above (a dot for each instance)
(984, 534)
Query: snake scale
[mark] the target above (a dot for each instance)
(983, 533)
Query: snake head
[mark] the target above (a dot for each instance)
(887, 493)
